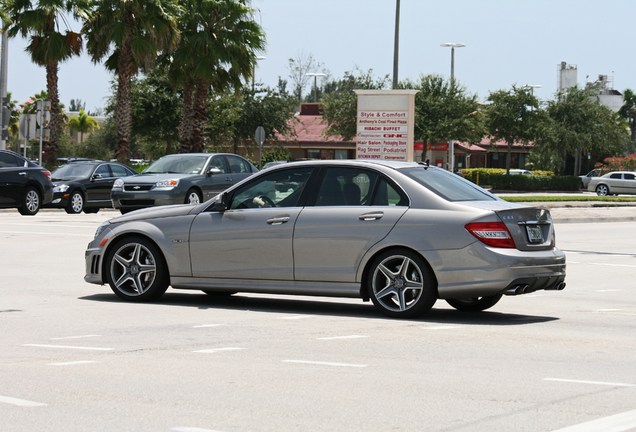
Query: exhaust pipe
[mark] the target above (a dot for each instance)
(517, 290)
(557, 287)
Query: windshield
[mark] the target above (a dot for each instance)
(177, 165)
(449, 186)
(72, 171)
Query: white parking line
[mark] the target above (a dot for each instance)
(617, 423)
(215, 350)
(207, 325)
(320, 363)
(68, 347)
(342, 337)
(20, 402)
(72, 363)
(295, 317)
(75, 337)
(573, 381)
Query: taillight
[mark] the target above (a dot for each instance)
(47, 173)
(493, 234)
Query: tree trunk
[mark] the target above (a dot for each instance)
(200, 105)
(124, 113)
(55, 125)
(185, 124)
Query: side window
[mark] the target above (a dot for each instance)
(387, 195)
(629, 176)
(238, 165)
(8, 161)
(277, 189)
(103, 171)
(220, 163)
(119, 171)
(346, 187)
(615, 176)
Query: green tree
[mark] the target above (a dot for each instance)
(628, 112)
(340, 103)
(444, 112)
(218, 48)
(129, 34)
(40, 21)
(513, 116)
(82, 123)
(577, 124)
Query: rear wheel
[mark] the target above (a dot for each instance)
(602, 190)
(476, 304)
(136, 270)
(30, 202)
(75, 203)
(401, 285)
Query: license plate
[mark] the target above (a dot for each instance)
(535, 235)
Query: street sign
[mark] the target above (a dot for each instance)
(260, 135)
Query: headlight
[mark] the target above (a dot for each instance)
(101, 228)
(119, 183)
(60, 188)
(167, 184)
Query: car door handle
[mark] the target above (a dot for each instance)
(371, 216)
(22, 173)
(278, 220)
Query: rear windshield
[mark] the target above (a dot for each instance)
(449, 186)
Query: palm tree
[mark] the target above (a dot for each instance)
(40, 21)
(218, 48)
(628, 111)
(82, 123)
(130, 34)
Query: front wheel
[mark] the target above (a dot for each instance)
(30, 203)
(136, 270)
(476, 304)
(401, 285)
(602, 190)
(193, 197)
(75, 203)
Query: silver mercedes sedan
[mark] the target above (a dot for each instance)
(400, 234)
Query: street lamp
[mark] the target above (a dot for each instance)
(532, 87)
(315, 75)
(452, 46)
(254, 71)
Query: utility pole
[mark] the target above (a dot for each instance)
(396, 44)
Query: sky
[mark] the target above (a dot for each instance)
(508, 42)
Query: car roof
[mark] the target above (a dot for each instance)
(351, 162)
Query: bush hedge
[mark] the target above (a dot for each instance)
(496, 178)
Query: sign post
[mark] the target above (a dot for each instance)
(259, 136)
(385, 124)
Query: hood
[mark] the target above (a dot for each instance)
(156, 212)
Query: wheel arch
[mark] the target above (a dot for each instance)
(364, 293)
(197, 189)
(129, 234)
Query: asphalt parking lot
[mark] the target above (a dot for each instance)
(75, 358)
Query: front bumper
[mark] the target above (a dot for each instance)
(136, 200)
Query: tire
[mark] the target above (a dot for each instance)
(401, 285)
(136, 270)
(75, 203)
(602, 190)
(193, 197)
(31, 202)
(476, 304)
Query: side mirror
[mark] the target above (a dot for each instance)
(214, 171)
(96, 177)
(220, 204)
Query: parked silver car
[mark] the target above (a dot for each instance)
(614, 183)
(401, 234)
(189, 178)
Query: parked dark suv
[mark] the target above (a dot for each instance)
(85, 185)
(23, 184)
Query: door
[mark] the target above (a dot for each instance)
(13, 177)
(213, 183)
(354, 209)
(99, 186)
(252, 239)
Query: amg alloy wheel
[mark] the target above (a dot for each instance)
(400, 284)
(136, 270)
